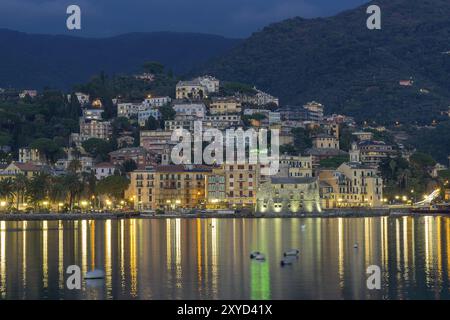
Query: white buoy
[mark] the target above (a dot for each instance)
(292, 252)
(95, 274)
(355, 245)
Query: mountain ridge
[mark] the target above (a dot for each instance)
(38, 60)
(349, 68)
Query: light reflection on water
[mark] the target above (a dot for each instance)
(209, 258)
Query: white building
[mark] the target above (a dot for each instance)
(210, 83)
(143, 115)
(103, 170)
(83, 98)
(92, 114)
(191, 90)
(129, 109)
(191, 109)
(156, 101)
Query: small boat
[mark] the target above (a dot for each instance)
(260, 257)
(254, 254)
(292, 252)
(95, 274)
(287, 261)
(355, 245)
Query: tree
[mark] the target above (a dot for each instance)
(153, 67)
(167, 113)
(46, 147)
(73, 186)
(128, 166)
(152, 124)
(302, 141)
(113, 186)
(38, 188)
(20, 187)
(97, 148)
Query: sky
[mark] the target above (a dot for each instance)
(100, 18)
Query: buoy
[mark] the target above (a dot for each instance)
(254, 254)
(292, 252)
(95, 274)
(355, 245)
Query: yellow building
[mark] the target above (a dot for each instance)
(169, 187)
(288, 195)
(226, 105)
(353, 185)
(15, 168)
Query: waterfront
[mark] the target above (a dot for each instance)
(209, 258)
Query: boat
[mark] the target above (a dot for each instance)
(254, 254)
(95, 274)
(260, 257)
(292, 252)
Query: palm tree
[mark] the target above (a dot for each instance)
(38, 188)
(20, 187)
(73, 186)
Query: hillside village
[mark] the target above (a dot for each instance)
(118, 156)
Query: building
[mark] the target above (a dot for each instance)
(288, 195)
(315, 111)
(447, 195)
(95, 129)
(190, 109)
(129, 109)
(15, 168)
(144, 115)
(363, 135)
(191, 90)
(325, 141)
(93, 114)
(354, 185)
(370, 152)
(221, 122)
(216, 195)
(29, 93)
(156, 102)
(156, 141)
(104, 169)
(319, 154)
(86, 164)
(169, 187)
(138, 154)
(241, 184)
(225, 105)
(295, 166)
(260, 98)
(30, 155)
(210, 83)
(82, 98)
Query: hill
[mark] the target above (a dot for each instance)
(349, 68)
(35, 61)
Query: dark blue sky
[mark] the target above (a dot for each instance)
(232, 18)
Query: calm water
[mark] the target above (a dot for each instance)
(209, 258)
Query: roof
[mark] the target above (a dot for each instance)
(358, 165)
(292, 180)
(104, 165)
(28, 166)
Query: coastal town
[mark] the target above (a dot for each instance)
(121, 162)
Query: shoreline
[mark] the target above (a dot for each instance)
(334, 213)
